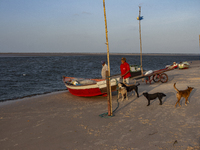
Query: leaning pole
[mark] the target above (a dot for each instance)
(140, 18)
(109, 93)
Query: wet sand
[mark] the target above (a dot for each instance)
(63, 121)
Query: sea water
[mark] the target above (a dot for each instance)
(28, 76)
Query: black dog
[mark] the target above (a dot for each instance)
(154, 96)
(132, 87)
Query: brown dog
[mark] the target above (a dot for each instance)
(183, 93)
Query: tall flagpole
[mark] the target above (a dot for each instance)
(108, 73)
(140, 39)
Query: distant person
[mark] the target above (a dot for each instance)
(104, 69)
(125, 70)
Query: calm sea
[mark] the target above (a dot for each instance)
(28, 76)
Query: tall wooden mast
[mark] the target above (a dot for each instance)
(108, 60)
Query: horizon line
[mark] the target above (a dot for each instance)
(40, 54)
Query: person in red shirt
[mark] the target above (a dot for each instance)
(125, 70)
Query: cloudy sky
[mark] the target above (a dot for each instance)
(169, 26)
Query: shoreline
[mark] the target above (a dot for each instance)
(26, 98)
(33, 95)
(89, 54)
(63, 90)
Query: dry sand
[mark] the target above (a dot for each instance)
(60, 121)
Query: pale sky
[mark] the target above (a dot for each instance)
(169, 26)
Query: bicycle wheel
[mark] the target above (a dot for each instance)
(156, 78)
(163, 78)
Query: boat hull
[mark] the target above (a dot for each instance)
(96, 89)
(86, 92)
(184, 65)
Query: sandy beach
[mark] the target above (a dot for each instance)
(61, 121)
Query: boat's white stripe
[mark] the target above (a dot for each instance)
(100, 85)
(82, 87)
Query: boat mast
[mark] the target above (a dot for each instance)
(108, 60)
(140, 18)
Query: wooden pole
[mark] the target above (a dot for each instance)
(109, 93)
(199, 42)
(140, 41)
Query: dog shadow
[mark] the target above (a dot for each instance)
(191, 94)
(168, 94)
(125, 105)
(153, 101)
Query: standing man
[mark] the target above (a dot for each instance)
(104, 69)
(125, 70)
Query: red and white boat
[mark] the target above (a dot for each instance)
(89, 87)
(174, 66)
(184, 65)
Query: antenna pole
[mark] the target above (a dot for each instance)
(140, 41)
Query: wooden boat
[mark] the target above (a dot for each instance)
(184, 65)
(173, 66)
(94, 88)
(135, 70)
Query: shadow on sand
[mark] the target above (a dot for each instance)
(148, 87)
